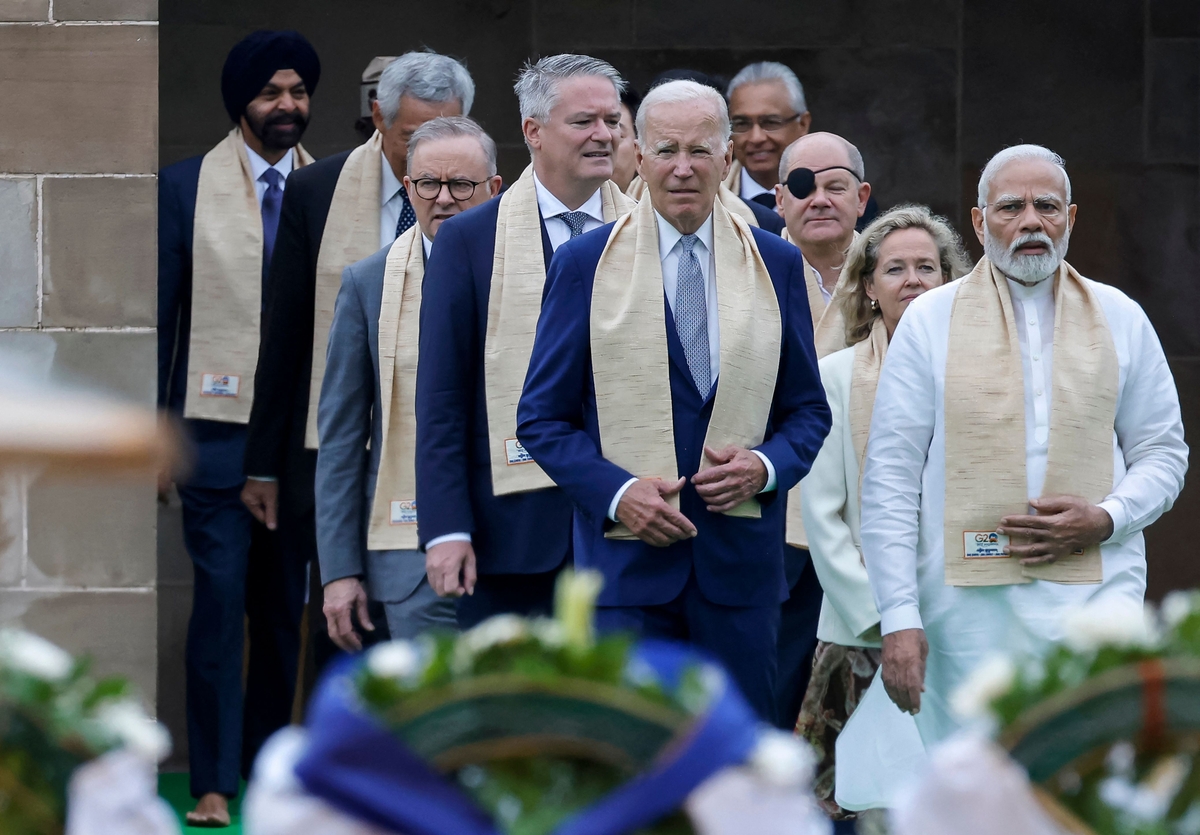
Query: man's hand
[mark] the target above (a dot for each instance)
(262, 499)
(644, 510)
(738, 475)
(451, 568)
(342, 598)
(1063, 525)
(904, 655)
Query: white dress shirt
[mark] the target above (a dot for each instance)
(669, 250)
(556, 228)
(903, 494)
(259, 166)
(559, 233)
(750, 188)
(426, 244)
(390, 203)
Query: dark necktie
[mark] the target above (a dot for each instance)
(407, 216)
(766, 200)
(574, 221)
(271, 201)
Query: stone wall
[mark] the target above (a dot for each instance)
(78, 155)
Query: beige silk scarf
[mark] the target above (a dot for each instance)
(351, 234)
(227, 253)
(733, 180)
(514, 302)
(630, 363)
(394, 505)
(985, 424)
(733, 203)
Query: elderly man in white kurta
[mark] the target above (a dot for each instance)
(973, 548)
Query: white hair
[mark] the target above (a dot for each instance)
(771, 71)
(855, 158)
(537, 84)
(678, 92)
(1019, 153)
(427, 76)
(451, 127)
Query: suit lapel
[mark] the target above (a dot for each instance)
(547, 248)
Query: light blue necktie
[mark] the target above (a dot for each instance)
(691, 315)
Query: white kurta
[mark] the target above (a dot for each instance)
(904, 487)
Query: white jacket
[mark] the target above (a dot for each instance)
(829, 501)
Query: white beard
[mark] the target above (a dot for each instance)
(1026, 269)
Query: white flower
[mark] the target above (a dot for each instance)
(575, 605)
(990, 680)
(782, 760)
(1111, 623)
(34, 656)
(1176, 607)
(549, 633)
(499, 630)
(136, 731)
(395, 659)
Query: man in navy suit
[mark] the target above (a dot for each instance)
(692, 573)
(502, 553)
(240, 568)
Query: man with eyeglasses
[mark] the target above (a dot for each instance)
(365, 493)
(1026, 431)
(767, 112)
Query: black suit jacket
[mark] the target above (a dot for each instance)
(275, 443)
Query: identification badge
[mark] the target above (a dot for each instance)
(516, 452)
(984, 545)
(219, 385)
(404, 512)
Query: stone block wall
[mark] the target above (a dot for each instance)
(78, 155)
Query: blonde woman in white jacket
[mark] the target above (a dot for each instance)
(902, 254)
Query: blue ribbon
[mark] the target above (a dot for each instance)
(357, 766)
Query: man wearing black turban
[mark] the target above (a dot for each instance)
(218, 218)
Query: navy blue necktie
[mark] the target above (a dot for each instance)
(766, 199)
(271, 201)
(407, 216)
(574, 221)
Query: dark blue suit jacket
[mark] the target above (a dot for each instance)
(219, 447)
(737, 562)
(522, 533)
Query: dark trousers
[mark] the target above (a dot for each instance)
(742, 638)
(241, 573)
(518, 594)
(797, 642)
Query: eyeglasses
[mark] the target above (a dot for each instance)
(1013, 209)
(743, 124)
(429, 189)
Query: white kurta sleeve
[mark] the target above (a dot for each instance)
(902, 427)
(1150, 434)
(824, 497)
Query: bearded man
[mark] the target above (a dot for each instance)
(1026, 431)
(217, 223)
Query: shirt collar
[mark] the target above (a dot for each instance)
(426, 243)
(669, 236)
(549, 205)
(750, 187)
(1019, 291)
(389, 184)
(259, 166)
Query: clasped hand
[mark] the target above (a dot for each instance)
(1062, 526)
(737, 475)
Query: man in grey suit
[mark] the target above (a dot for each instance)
(451, 168)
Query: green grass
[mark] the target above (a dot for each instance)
(173, 788)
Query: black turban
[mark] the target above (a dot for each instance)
(257, 57)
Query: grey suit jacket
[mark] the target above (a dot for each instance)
(350, 414)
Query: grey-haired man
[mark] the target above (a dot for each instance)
(366, 538)
(495, 529)
(767, 112)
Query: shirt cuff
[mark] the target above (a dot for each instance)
(1120, 519)
(902, 617)
(771, 484)
(450, 537)
(612, 506)
(261, 478)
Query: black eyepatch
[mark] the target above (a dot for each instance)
(801, 182)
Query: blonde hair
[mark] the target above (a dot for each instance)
(863, 257)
